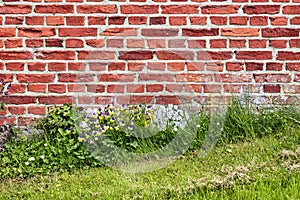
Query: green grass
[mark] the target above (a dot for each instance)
(251, 169)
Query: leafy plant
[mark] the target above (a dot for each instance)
(4, 86)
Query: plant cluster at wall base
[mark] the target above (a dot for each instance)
(4, 86)
(67, 131)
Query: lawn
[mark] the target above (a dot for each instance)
(259, 168)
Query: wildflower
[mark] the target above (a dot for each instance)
(45, 145)
(31, 159)
(42, 157)
(83, 125)
(68, 130)
(90, 141)
(80, 139)
(26, 163)
(122, 123)
(98, 133)
(130, 127)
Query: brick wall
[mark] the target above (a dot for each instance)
(93, 51)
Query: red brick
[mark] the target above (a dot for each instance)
(226, 9)
(157, 20)
(135, 88)
(96, 88)
(35, 20)
(56, 55)
(252, 66)
(95, 42)
(194, 77)
(272, 78)
(174, 87)
(176, 66)
(13, 43)
(75, 21)
(294, 9)
(77, 32)
(15, 66)
(75, 77)
(96, 20)
(87, 9)
(57, 88)
(15, 9)
(54, 42)
(139, 9)
(198, 20)
(176, 43)
(295, 20)
(218, 43)
(156, 43)
(238, 20)
(116, 66)
(116, 43)
(37, 110)
(137, 20)
(254, 55)
(240, 32)
(280, 32)
(14, 20)
(287, 55)
(7, 32)
(56, 66)
(116, 77)
(34, 43)
(274, 66)
(237, 43)
(261, 9)
(218, 20)
(277, 43)
(278, 21)
(118, 20)
(234, 66)
(16, 110)
(116, 88)
(200, 32)
(36, 66)
(15, 55)
(177, 21)
(62, 9)
(195, 66)
(159, 32)
(257, 43)
(156, 77)
(135, 43)
(35, 78)
(271, 88)
(120, 32)
(259, 21)
(154, 88)
(36, 32)
(55, 20)
(55, 99)
(175, 55)
(74, 43)
(180, 9)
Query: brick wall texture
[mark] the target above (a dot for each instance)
(95, 51)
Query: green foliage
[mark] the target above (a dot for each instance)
(63, 146)
(246, 121)
(1, 106)
(56, 149)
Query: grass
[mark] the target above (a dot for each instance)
(254, 169)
